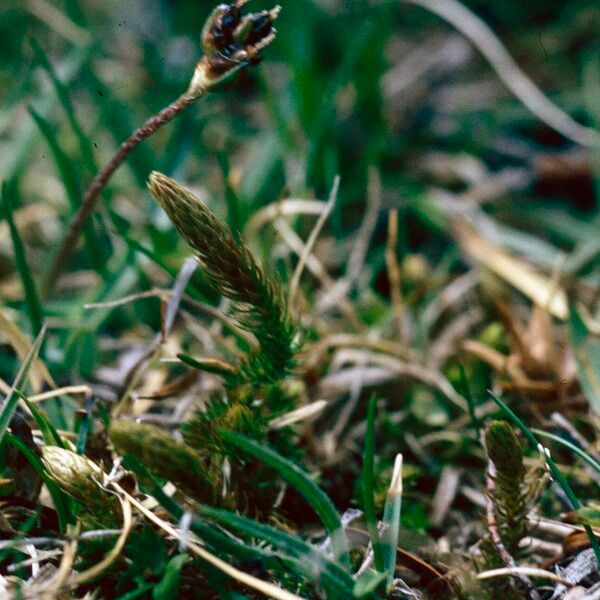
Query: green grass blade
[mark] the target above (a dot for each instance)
(10, 402)
(168, 587)
(208, 532)
(27, 134)
(32, 300)
(335, 578)
(391, 518)
(299, 480)
(234, 217)
(368, 484)
(367, 584)
(117, 118)
(288, 544)
(59, 498)
(326, 108)
(85, 146)
(245, 526)
(48, 430)
(466, 392)
(558, 476)
(70, 182)
(583, 455)
(61, 160)
(84, 425)
(139, 592)
(586, 350)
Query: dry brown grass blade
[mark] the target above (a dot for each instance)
(395, 277)
(171, 388)
(314, 265)
(300, 414)
(64, 569)
(507, 70)
(312, 238)
(282, 208)
(392, 367)
(58, 21)
(69, 390)
(4, 387)
(538, 288)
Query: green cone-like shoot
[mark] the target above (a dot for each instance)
(233, 270)
(505, 452)
(164, 456)
(78, 477)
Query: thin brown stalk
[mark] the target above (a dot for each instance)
(394, 276)
(92, 193)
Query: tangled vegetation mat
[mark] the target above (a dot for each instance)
(299, 301)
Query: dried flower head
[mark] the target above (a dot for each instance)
(231, 41)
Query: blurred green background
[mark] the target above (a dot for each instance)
(346, 86)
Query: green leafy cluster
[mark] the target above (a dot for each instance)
(202, 430)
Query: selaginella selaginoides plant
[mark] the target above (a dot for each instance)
(509, 494)
(82, 480)
(252, 385)
(259, 300)
(510, 501)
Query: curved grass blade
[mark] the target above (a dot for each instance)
(70, 183)
(85, 146)
(289, 544)
(10, 403)
(116, 116)
(586, 350)
(299, 480)
(168, 587)
(32, 300)
(59, 498)
(208, 533)
(583, 455)
(334, 577)
(61, 160)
